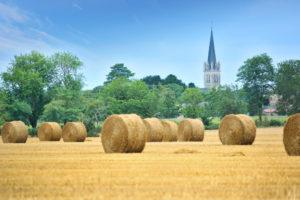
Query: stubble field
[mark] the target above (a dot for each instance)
(177, 170)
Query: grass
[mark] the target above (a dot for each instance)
(178, 170)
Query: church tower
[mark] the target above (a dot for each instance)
(212, 72)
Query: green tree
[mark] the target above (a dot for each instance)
(168, 102)
(67, 99)
(152, 81)
(67, 106)
(118, 71)
(287, 81)
(257, 77)
(170, 79)
(225, 100)
(26, 83)
(125, 96)
(66, 71)
(177, 89)
(33, 80)
(191, 101)
(3, 107)
(191, 85)
(94, 112)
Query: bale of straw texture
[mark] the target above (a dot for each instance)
(190, 130)
(155, 129)
(125, 133)
(74, 132)
(14, 132)
(237, 130)
(170, 131)
(291, 135)
(49, 131)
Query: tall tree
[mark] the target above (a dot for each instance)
(152, 80)
(177, 89)
(287, 81)
(3, 107)
(118, 71)
(168, 102)
(173, 79)
(67, 68)
(225, 100)
(257, 77)
(26, 83)
(191, 100)
(191, 85)
(126, 96)
(67, 103)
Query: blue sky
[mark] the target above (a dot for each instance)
(151, 36)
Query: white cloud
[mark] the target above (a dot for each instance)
(79, 35)
(77, 6)
(22, 32)
(10, 13)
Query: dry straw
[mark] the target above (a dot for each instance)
(74, 132)
(125, 133)
(14, 132)
(155, 129)
(170, 131)
(237, 130)
(49, 131)
(190, 130)
(291, 135)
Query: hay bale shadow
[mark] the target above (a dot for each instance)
(182, 151)
(231, 154)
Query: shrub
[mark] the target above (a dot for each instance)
(212, 126)
(93, 131)
(270, 122)
(32, 131)
(276, 122)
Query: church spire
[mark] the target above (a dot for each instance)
(212, 72)
(211, 60)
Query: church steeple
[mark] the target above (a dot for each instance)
(211, 60)
(212, 73)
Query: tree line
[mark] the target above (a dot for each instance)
(37, 88)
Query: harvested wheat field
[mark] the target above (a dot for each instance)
(165, 170)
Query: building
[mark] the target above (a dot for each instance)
(212, 72)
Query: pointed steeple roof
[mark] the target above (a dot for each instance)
(211, 52)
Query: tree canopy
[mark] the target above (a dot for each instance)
(225, 100)
(257, 77)
(26, 84)
(152, 80)
(33, 80)
(287, 81)
(170, 79)
(118, 71)
(191, 100)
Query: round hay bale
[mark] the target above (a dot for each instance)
(237, 130)
(14, 132)
(190, 130)
(74, 132)
(291, 135)
(170, 131)
(125, 133)
(155, 129)
(49, 131)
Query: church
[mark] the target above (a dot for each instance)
(212, 71)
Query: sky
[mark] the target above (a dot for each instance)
(151, 37)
